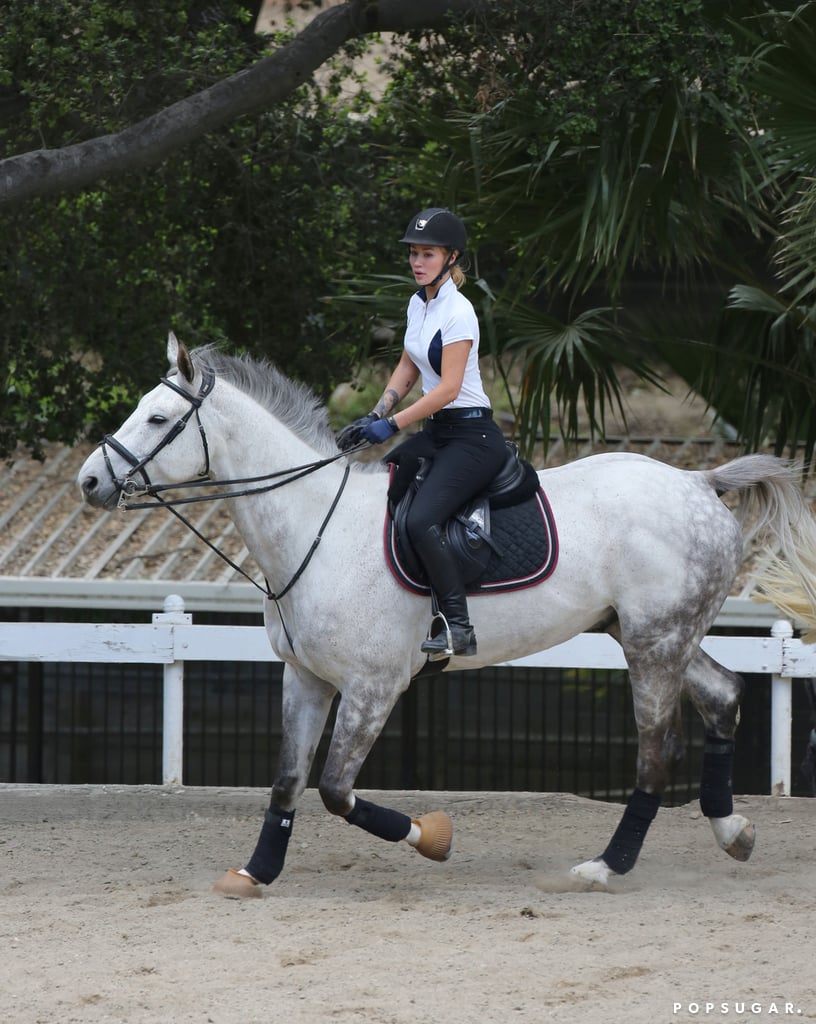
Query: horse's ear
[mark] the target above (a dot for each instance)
(178, 356)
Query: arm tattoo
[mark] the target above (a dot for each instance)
(389, 399)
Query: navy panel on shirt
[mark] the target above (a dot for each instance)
(435, 353)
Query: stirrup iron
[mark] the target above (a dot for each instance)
(430, 645)
(439, 643)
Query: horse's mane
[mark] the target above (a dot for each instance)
(289, 401)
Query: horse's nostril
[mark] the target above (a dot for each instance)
(89, 484)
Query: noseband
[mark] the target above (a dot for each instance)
(126, 484)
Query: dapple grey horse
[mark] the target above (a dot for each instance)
(647, 553)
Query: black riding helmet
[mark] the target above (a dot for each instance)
(436, 226)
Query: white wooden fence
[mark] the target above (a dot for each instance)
(172, 639)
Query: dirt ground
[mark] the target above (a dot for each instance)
(107, 915)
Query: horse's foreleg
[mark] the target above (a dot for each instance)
(306, 705)
(716, 692)
(360, 720)
(430, 834)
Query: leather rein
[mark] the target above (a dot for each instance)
(130, 488)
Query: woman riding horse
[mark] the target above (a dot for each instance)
(442, 347)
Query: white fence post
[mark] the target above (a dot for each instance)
(173, 715)
(781, 717)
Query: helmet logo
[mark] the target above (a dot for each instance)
(420, 224)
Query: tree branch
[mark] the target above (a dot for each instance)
(45, 172)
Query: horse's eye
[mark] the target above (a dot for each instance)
(156, 418)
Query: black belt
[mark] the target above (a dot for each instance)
(476, 412)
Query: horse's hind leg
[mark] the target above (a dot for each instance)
(306, 704)
(716, 692)
(656, 684)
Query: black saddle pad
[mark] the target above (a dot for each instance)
(523, 550)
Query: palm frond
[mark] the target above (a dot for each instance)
(760, 370)
(785, 73)
(567, 367)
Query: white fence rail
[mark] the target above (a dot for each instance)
(172, 639)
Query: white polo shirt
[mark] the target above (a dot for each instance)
(448, 317)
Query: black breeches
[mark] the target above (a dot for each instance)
(467, 456)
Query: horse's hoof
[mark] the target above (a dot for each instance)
(592, 874)
(236, 886)
(735, 834)
(743, 846)
(436, 836)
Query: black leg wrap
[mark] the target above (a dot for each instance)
(716, 800)
(627, 841)
(270, 853)
(379, 821)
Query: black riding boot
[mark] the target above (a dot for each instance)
(446, 580)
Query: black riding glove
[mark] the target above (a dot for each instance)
(352, 434)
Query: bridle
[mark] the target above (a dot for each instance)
(126, 484)
(130, 488)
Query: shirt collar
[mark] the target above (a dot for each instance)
(422, 293)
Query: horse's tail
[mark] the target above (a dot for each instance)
(772, 503)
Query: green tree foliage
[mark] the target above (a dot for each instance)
(761, 369)
(637, 180)
(603, 157)
(236, 239)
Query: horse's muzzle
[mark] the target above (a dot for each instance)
(98, 491)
